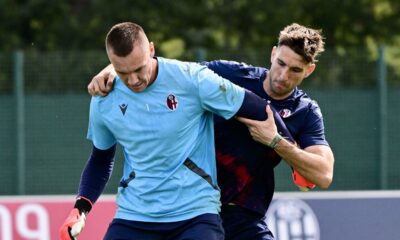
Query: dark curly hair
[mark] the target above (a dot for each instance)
(306, 42)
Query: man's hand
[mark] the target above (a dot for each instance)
(303, 184)
(102, 83)
(73, 225)
(262, 131)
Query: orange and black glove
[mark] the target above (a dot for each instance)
(75, 221)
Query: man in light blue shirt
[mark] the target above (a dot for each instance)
(162, 129)
(161, 113)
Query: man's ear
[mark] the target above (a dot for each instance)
(310, 69)
(273, 52)
(152, 49)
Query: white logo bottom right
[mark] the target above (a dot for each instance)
(292, 219)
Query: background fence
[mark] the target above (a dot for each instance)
(44, 117)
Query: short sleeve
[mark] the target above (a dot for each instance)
(313, 132)
(98, 132)
(217, 94)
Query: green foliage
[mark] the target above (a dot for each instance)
(180, 28)
(213, 24)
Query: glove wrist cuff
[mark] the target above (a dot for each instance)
(83, 204)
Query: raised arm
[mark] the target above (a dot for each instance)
(102, 83)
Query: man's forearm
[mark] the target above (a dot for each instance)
(315, 163)
(96, 173)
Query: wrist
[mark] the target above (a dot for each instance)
(274, 142)
(83, 204)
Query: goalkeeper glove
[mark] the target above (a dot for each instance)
(75, 221)
(303, 184)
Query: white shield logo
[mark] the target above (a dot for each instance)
(292, 219)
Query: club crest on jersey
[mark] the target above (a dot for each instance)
(172, 102)
(285, 113)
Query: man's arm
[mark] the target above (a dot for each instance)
(97, 172)
(102, 83)
(314, 163)
(93, 180)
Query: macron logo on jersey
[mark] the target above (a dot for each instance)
(172, 102)
(123, 108)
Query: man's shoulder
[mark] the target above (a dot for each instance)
(119, 90)
(179, 68)
(301, 97)
(232, 65)
(175, 63)
(306, 104)
(237, 72)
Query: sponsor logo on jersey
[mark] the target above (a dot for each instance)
(123, 108)
(172, 102)
(292, 219)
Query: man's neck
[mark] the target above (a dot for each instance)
(154, 72)
(271, 94)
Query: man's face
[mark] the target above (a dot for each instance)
(136, 70)
(288, 69)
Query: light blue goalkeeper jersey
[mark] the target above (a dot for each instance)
(166, 134)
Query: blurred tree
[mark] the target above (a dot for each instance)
(239, 29)
(214, 24)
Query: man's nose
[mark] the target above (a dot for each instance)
(133, 79)
(284, 75)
